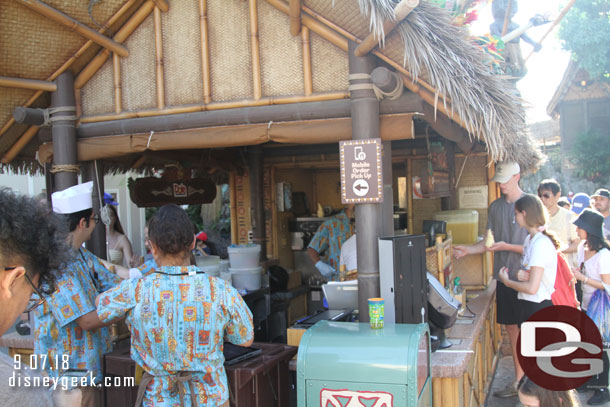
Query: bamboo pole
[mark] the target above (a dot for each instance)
(159, 58)
(21, 83)
(139, 162)
(401, 11)
(410, 218)
(216, 106)
(162, 5)
(255, 49)
(307, 74)
(553, 25)
(314, 25)
(205, 51)
(118, 95)
(78, 103)
(233, 205)
(20, 144)
(295, 17)
(507, 17)
(75, 26)
(129, 27)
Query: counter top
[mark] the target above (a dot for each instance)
(14, 340)
(452, 362)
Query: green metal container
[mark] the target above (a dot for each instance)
(345, 360)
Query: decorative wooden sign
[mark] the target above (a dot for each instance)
(361, 175)
(153, 191)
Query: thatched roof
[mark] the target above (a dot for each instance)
(434, 56)
(571, 88)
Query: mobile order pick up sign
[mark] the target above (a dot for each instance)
(361, 175)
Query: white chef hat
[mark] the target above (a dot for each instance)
(73, 199)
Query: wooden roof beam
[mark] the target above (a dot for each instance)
(74, 25)
(162, 4)
(47, 86)
(295, 17)
(401, 11)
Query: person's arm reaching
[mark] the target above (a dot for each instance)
(506, 247)
(460, 251)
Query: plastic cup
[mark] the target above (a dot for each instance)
(376, 311)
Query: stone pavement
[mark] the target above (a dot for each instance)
(505, 373)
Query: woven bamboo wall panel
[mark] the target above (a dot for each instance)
(43, 44)
(328, 76)
(78, 9)
(475, 174)
(230, 55)
(97, 96)
(281, 54)
(138, 70)
(344, 13)
(182, 54)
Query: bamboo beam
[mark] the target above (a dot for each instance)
(118, 95)
(162, 5)
(553, 25)
(20, 144)
(307, 74)
(205, 51)
(295, 17)
(139, 162)
(401, 11)
(319, 97)
(78, 103)
(314, 25)
(255, 49)
(129, 27)
(159, 58)
(21, 83)
(75, 26)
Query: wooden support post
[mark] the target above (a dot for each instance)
(159, 58)
(118, 94)
(295, 17)
(64, 133)
(410, 218)
(162, 5)
(233, 205)
(205, 51)
(255, 50)
(21, 83)
(89, 172)
(401, 11)
(307, 73)
(129, 27)
(78, 103)
(74, 25)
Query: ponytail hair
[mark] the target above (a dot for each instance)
(536, 215)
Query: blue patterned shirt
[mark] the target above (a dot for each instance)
(178, 323)
(330, 236)
(57, 334)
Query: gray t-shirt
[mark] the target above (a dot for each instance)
(607, 227)
(501, 220)
(17, 387)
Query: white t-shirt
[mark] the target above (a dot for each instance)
(594, 267)
(540, 252)
(561, 224)
(349, 254)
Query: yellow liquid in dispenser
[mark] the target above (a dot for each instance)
(463, 232)
(463, 224)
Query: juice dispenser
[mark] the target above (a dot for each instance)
(463, 224)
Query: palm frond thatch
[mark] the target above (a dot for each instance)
(486, 103)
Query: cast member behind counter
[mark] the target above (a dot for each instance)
(325, 246)
(67, 328)
(32, 247)
(179, 317)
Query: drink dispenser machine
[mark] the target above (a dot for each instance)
(350, 364)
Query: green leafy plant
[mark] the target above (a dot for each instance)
(585, 31)
(590, 156)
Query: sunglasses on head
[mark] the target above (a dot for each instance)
(34, 302)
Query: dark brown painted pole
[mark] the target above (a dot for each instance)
(365, 124)
(64, 133)
(255, 164)
(97, 243)
(386, 81)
